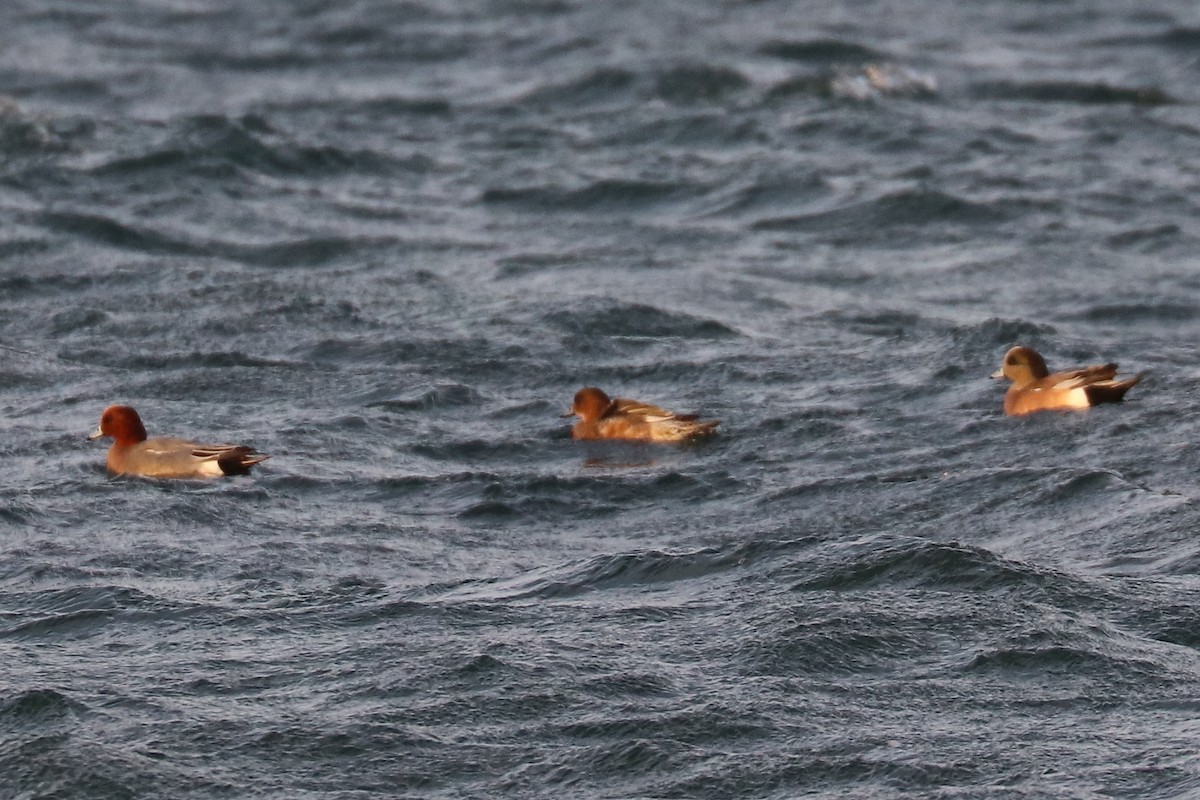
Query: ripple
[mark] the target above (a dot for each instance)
(772, 192)
(602, 85)
(996, 332)
(609, 195)
(106, 230)
(1072, 92)
(608, 319)
(699, 83)
(823, 51)
(916, 207)
(1183, 38)
(443, 395)
(195, 359)
(1144, 312)
(919, 562)
(82, 612)
(1147, 239)
(213, 145)
(38, 704)
(626, 570)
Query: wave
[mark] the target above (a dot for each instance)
(627, 570)
(106, 230)
(298, 252)
(389, 46)
(627, 734)
(602, 85)
(552, 496)
(1082, 93)
(1180, 37)
(18, 248)
(442, 395)
(14, 512)
(305, 251)
(17, 285)
(1043, 658)
(910, 562)
(831, 771)
(475, 355)
(1095, 653)
(1133, 312)
(907, 208)
(699, 83)
(823, 51)
(678, 84)
(606, 318)
(522, 264)
(37, 704)
(997, 332)
(382, 105)
(195, 359)
(80, 612)
(609, 195)
(767, 192)
(1149, 239)
(698, 126)
(216, 146)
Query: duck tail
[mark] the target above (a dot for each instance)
(239, 460)
(1111, 391)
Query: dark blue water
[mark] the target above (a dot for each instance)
(387, 241)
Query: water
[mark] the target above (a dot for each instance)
(387, 242)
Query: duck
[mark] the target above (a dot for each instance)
(1035, 389)
(604, 417)
(133, 453)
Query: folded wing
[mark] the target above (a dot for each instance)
(233, 459)
(648, 412)
(1084, 376)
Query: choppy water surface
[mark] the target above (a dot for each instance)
(386, 242)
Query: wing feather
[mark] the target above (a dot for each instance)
(1084, 376)
(639, 409)
(213, 452)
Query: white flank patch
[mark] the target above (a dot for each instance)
(210, 468)
(1077, 398)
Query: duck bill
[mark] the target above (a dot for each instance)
(96, 434)
(998, 374)
(567, 415)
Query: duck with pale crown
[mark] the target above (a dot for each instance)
(1035, 389)
(603, 417)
